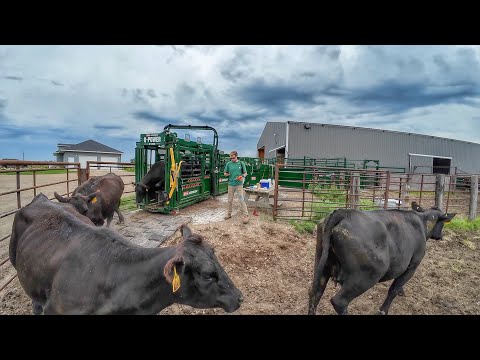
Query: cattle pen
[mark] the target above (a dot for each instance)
(304, 192)
(249, 261)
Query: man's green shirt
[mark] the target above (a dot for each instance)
(235, 169)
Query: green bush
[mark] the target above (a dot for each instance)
(304, 226)
(462, 223)
(329, 197)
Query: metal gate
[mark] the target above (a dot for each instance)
(311, 192)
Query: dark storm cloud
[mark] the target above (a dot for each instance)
(9, 131)
(275, 97)
(148, 115)
(307, 74)
(209, 120)
(225, 116)
(151, 93)
(108, 127)
(139, 95)
(237, 67)
(332, 52)
(392, 96)
(439, 60)
(185, 90)
(238, 134)
(9, 77)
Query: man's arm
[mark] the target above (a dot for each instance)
(244, 173)
(225, 171)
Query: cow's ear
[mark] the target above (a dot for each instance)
(60, 198)
(143, 185)
(92, 197)
(186, 232)
(446, 217)
(171, 267)
(417, 207)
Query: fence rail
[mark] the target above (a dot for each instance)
(14, 194)
(312, 192)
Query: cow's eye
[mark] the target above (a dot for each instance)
(207, 278)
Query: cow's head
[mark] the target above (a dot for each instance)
(434, 219)
(79, 201)
(140, 191)
(202, 281)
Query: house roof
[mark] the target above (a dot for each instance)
(90, 145)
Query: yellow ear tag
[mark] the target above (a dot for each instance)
(94, 200)
(176, 280)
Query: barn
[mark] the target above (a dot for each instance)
(89, 150)
(415, 153)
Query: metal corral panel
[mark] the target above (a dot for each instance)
(390, 147)
(273, 137)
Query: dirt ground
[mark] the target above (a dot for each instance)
(273, 266)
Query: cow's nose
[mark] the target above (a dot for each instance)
(240, 298)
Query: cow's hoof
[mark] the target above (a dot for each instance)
(381, 312)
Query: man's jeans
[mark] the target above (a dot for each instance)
(241, 197)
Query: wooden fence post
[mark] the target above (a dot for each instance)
(439, 189)
(472, 214)
(355, 190)
(82, 176)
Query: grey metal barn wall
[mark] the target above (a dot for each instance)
(273, 137)
(391, 148)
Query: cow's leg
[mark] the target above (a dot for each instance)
(121, 219)
(351, 289)
(401, 292)
(109, 220)
(37, 308)
(396, 288)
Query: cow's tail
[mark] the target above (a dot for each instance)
(324, 233)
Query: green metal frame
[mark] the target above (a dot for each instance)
(198, 180)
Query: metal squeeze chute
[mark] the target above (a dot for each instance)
(191, 168)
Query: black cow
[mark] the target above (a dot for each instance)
(153, 181)
(360, 248)
(66, 265)
(98, 198)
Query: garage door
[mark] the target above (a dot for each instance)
(110, 159)
(84, 158)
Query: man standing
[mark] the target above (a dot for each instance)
(236, 172)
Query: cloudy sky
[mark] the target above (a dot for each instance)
(112, 94)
